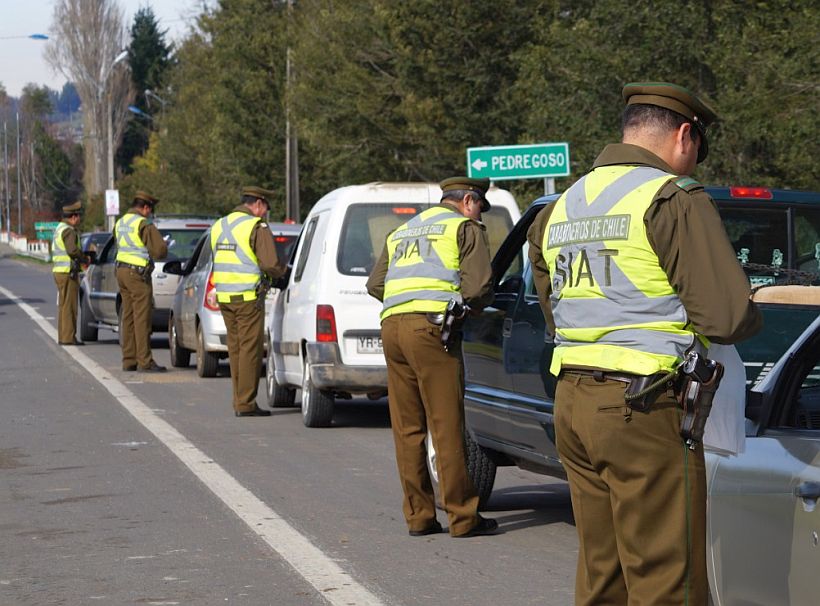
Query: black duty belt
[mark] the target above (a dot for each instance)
(602, 375)
(136, 268)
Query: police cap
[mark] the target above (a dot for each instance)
(258, 192)
(141, 198)
(678, 99)
(74, 208)
(479, 186)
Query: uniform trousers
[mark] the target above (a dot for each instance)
(135, 327)
(638, 495)
(245, 324)
(425, 386)
(68, 291)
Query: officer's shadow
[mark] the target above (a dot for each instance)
(531, 505)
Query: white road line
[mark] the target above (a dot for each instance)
(322, 572)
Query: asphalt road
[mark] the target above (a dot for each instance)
(119, 488)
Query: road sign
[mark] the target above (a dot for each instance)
(44, 230)
(540, 160)
(112, 202)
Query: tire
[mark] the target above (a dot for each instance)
(87, 331)
(317, 404)
(207, 362)
(180, 356)
(278, 396)
(480, 469)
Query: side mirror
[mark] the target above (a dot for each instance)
(173, 267)
(281, 282)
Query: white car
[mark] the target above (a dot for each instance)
(324, 330)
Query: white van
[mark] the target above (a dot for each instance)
(325, 335)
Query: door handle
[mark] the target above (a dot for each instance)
(287, 296)
(506, 327)
(808, 490)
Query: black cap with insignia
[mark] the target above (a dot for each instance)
(678, 99)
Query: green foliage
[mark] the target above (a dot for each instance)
(149, 59)
(385, 90)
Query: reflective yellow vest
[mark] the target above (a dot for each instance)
(59, 257)
(613, 305)
(130, 247)
(236, 267)
(423, 266)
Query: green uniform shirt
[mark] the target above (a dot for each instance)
(685, 231)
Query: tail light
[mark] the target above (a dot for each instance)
(761, 193)
(210, 294)
(325, 324)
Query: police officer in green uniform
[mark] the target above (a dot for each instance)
(139, 243)
(66, 256)
(244, 251)
(439, 255)
(633, 269)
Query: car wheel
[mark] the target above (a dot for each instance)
(88, 331)
(207, 362)
(317, 404)
(480, 469)
(278, 396)
(180, 357)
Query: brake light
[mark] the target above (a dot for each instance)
(325, 324)
(759, 193)
(404, 210)
(281, 239)
(289, 221)
(210, 294)
(199, 225)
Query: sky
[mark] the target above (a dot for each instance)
(21, 59)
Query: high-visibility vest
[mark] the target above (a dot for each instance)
(612, 302)
(423, 266)
(130, 247)
(236, 267)
(59, 257)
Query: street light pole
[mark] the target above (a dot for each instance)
(117, 59)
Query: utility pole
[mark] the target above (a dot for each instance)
(19, 195)
(291, 144)
(6, 168)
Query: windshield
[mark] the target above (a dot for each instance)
(181, 242)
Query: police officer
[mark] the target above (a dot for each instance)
(139, 243)
(66, 256)
(439, 255)
(633, 268)
(244, 251)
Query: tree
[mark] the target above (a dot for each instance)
(149, 58)
(89, 36)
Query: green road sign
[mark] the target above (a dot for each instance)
(518, 161)
(46, 225)
(45, 229)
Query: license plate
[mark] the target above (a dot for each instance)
(369, 345)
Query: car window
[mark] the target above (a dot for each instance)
(204, 258)
(807, 239)
(109, 254)
(498, 223)
(759, 236)
(364, 232)
(181, 242)
(303, 254)
(806, 405)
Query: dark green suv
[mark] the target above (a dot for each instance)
(507, 350)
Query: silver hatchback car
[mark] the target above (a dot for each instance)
(195, 323)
